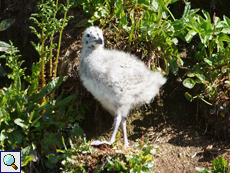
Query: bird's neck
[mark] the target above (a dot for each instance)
(87, 51)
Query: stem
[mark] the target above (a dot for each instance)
(51, 50)
(59, 42)
(213, 35)
(43, 83)
(203, 100)
(170, 14)
(210, 46)
(185, 2)
(51, 60)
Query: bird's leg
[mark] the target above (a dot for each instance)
(96, 120)
(117, 122)
(123, 127)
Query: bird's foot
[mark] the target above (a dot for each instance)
(98, 142)
(127, 144)
(111, 141)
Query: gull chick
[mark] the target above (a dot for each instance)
(118, 80)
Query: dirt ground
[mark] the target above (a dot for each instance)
(170, 121)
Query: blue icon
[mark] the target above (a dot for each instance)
(9, 160)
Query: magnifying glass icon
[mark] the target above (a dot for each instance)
(9, 160)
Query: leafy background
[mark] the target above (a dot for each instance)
(152, 34)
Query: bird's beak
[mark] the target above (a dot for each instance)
(98, 41)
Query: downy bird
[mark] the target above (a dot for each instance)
(118, 80)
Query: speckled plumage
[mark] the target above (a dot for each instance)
(118, 80)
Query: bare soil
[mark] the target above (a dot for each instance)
(171, 122)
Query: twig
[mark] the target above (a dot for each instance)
(210, 46)
(185, 2)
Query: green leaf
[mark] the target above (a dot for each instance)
(219, 24)
(173, 65)
(226, 30)
(6, 24)
(161, 2)
(143, 2)
(209, 61)
(193, 11)
(26, 158)
(52, 85)
(48, 107)
(76, 130)
(201, 77)
(148, 168)
(190, 35)
(155, 4)
(81, 23)
(188, 96)
(55, 83)
(197, 68)
(191, 74)
(153, 151)
(17, 84)
(118, 8)
(4, 46)
(200, 169)
(49, 164)
(18, 136)
(199, 56)
(206, 15)
(20, 123)
(226, 20)
(178, 26)
(52, 158)
(3, 136)
(25, 152)
(65, 101)
(224, 37)
(123, 21)
(189, 83)
(193, 24)
(2, 71)
(186, 10)
(200, 96)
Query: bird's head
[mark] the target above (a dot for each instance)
(93, 38)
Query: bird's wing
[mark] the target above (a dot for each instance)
(127, 71)
(118, 70)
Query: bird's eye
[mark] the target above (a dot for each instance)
(87, 35)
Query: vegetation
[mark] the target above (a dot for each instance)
(144, 25)
(48, 23)
(33, 117)
(3, 45)
(219, 165)
(212, 58)
(82, 157)
(41, 123)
